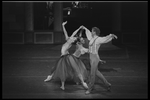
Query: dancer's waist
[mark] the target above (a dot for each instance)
(92, 55)
(77, 56)
(70, 55)
(92, 50)
(64, 53)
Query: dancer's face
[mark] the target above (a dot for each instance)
(93, 33)
(82, 40)
(72, 39)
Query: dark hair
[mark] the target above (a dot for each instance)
(76, 41)
(79, 32)
(78, 36)
(96, 30)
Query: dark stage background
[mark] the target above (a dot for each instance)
(22, 22)
(32, 37)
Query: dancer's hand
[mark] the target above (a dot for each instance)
(81, 26)
(64, 23)
(102, 61)
(114, 36)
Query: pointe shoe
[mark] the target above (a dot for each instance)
(85, 85)
(87, 92)
(63, 88)
(49, 77)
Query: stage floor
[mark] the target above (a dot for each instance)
(25, 67)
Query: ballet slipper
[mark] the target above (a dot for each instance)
(87, 92)
(85, 85)
(49, 77)
(63, 88)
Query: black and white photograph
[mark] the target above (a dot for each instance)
(75, 49)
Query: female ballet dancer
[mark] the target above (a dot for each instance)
(67, 67)
(80, 50)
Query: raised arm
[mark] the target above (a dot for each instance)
(75, 32)
(64, 29)
(107, 38)
(88, 33)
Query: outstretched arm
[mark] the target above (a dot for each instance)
(75, 32)
(64, 29)
(107, 38)
(84, 50)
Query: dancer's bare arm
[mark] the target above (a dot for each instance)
(88, 33)
(84, 50)
(102, 61)
(75, 32)
(64, 29)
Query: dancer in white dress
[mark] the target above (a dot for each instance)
(67, 66)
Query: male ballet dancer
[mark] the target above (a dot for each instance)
(94, 45)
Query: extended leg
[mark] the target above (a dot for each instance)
(102, 78)
(49, 77)
(100, 75)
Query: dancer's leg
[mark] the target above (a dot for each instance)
(92, 74)
(102, 78)
(82, 81)
(100, 75)
(94, 62)
(49, 77)
(62, 85)
(75, 65)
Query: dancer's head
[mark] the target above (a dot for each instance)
(82, 40)
(95, 31)
(79, 40)
(71, 39)
(79, 37)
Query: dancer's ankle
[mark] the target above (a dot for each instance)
(62, 87)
